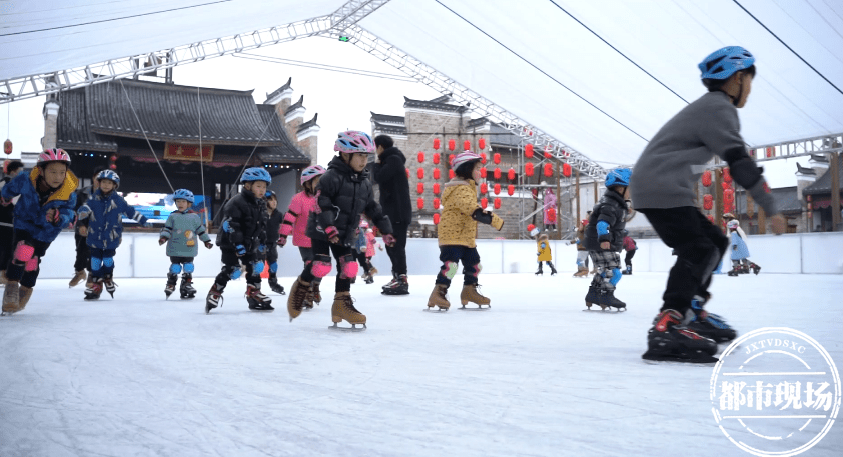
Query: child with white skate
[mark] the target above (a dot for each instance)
(366, 250)
(662, 189)
(104, 213)
(740, 251)
(295, 222)
(344, 191)
(180, 232)
(242, 241)
(630, 246)
(45, 206)
(273, 225)
(458, 233)
(604, 239)
(545, 254)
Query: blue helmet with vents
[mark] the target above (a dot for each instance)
(618, 177)
(183, 194)
(110, 175)
(725, 62)
(269, 194)
(255, 174)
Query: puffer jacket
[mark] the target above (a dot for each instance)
(243, 223)
(82, 196)
(545, 253)
(461, 213)
(296, 217)
(181, 231)
(394, 189)
(31, 215)
(580, 241)
(273, 225)
(104, 214)
(342, 194)
(611, 209)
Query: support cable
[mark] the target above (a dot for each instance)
(145, 137)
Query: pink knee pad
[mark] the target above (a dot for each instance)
(24, 252)
(349, 268)
(320, 269)
(31, 264)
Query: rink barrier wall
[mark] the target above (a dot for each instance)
(140, 256)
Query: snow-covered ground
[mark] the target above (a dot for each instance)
(533, 376)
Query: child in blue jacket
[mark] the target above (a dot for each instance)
(44, 208)
(104, 212)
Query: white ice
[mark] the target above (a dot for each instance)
(533, 376)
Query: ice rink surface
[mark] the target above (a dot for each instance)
(533, 376)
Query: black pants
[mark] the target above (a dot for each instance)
(699, 247)
(364, 262)
(451, 256)
(231, 268)
(627, 260)
(7, 246)
(26, 271)
(322, 251)
(306, 254)
(272, 259)
(396, 253)
(83, 253)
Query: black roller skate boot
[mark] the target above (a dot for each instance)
(187, 291)
(669, 340)
(257, 300)
(172, 279)
(214, 298)
(274, 286)
(708, 324)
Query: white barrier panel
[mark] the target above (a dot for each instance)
(140, 256)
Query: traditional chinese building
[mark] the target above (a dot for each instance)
(817, 192)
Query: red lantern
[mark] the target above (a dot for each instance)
(706, 178)
(548, 169)
(420, 203)
(510, 189)
(496, 158)
(452, 144)
(708, 202)
(484, 188)
(497, 173)
(466, 145)
(482, 143)
(547, 155)
(483, 172)
(728, 195)
(113, 158)
(530, 227)
(727, 176)
(451, 159)
(436, 218)
(7, 147)
(420, 173)
(497, 203)
(528, 151)
(436, 143)
(421, 157)
(436, 173)
(484, 202)
(511, 174)
(529, 169)
(483, 157)
(436, 188)
(724, 185)
(436, 203)
(451, 174)
(770, 151)
(497, 189)
(436, 158)
(113, 166)
(566, 170)
(420, 188)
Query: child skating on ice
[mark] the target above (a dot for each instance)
(582, 252)
(630, 246)
(663, 190)
(604, 240)
(273, 225)
(739, 250)
(104, 213)
(344, 191)
(458, 233)
(242, 241)
(45, 206)
(366, 250)
(181, 232)
(295, 223)
(545, 254)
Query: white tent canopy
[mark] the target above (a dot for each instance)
(601, 77)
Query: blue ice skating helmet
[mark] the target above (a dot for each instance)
(109, 174)
(311, 172)
(724, 62)
(269, 194)
(183, 194)
(618, 177)
(256, 174)
(353, 141)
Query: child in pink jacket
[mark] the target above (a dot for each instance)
(295, 222)
(365, 258)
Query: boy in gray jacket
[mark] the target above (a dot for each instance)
(180, 232)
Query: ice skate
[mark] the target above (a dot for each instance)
(593, 298)
(11, 297)
(186, 290)
(94, 291)
(3, 279)
(755, 267)
(399, 287)
(607, 298)
(257, 300)
(24, 294)
(307, 305)
(734, 271)
(110, 286)
(299, 294)
(77, 278)
(274, 286)
(343, 310)
(214, 297)
(582, 272)
(669, 340)
(372, 272)
(172, 279)
(470, 294)
(316, 295)
(552, 269)
(439, 298)
(540, 271)
(709, 325)
(391, 282)
(628, 270)
(369, 280)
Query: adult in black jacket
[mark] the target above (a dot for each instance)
(7, 217)
(391, 177)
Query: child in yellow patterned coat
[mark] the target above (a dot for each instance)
(458, 232)
(545, 254)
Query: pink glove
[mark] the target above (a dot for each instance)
(282, 240)
(389, 240)
(333, 234)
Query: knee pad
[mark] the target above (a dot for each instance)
(321, 266)
(31, 264)
(616, 276)
(96, 263)
(24, 252)
(108, 262)
(348, 267)
(175, 268)
(188, 267)
(449, 269)
(235, 274)
(273, 267)
(257, 267)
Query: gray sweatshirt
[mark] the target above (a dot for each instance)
(675, 158)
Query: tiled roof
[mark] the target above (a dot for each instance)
(433, 105)
(308, 124)
(476, 122)
(278, 91)
(503, 137)
(386, 118)
(819, 158)
(389, 128)
(805, 170)
(275, 154)
(72, 127)
(785, 199)
(823, 184)
(295, 106)
(443, 99)
(171, 113)
(287, 150)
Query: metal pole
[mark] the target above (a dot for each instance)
(558, 196)
(835, 191)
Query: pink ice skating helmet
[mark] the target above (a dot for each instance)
(354, 142)
(363, 223)
(733, 224)
(53, 155)
(463, 157)
(311, 172)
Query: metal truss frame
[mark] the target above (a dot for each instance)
(35, 85)
(798, 148)
(445, 85)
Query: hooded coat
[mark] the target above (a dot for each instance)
(243, 223)
(611, 209)
(105, 219)
(394, 187)
(31, 214)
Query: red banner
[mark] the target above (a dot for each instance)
(188, 152)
